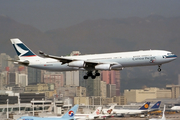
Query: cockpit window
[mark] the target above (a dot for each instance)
(170, 54)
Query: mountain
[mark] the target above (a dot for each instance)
(33, 37)
(106, 35)
(102, 35)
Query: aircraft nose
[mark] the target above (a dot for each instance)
(174, 56)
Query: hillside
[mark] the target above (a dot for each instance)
(33, 37)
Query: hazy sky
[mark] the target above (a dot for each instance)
(52, 14)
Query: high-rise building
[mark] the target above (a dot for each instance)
(72, 78)
(13, 78)
(34, 76)
(103, 89)
(175, 89)
(82, 81)
(57, 78)
(80, 91)
(93, 86)
(112, 77)
(4, 61)
(111, 90)
(3, 79)
(23, 80)
(120, 100)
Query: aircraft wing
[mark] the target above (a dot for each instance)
(83, 63)
(61, 59)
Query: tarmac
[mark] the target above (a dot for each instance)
(168, 117)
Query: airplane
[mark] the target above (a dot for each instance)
(95, 114)
(176, 107)
(142, 109)
(163, 115)
(67, 116)
(91, 63)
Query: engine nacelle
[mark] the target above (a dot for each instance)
(103, 67)
(116, 67)
(77, 64)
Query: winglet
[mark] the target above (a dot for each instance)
(70, 114)
(145, 106)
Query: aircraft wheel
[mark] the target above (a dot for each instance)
(85, 77)
(159, 69)
(93, 76)
(97, 74)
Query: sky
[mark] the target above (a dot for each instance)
(52, 14)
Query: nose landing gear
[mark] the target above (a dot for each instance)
(159, 68)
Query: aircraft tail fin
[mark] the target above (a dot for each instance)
(156, 106)
(21, 49)
(70, 114)
(145, 106)
(109, 111)
(97, 111)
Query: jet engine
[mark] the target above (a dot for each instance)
(77, 64)
(108, 67)
(103, 67)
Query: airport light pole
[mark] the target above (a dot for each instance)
(93, 101)
(19, 102)
(33, 106)
(7, 109)
(54, 106)
(43, 104)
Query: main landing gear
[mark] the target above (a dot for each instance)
(90, 74)
(159, 68)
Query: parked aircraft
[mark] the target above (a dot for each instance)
(95, 114)
(142, 109)
(67, 116)
(91, 63)
(163, 115)
(176, 107)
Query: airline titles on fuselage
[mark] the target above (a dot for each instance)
(144, 57)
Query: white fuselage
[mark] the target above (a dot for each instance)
(125, 59)
(127, 111)
(175, 108)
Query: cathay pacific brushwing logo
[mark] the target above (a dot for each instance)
(22, 50)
